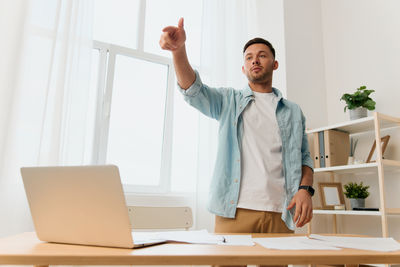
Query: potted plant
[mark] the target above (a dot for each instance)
(357, 194)
(359, 102)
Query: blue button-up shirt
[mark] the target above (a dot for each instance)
(226, 105)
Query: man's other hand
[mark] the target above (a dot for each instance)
(173, 37)
(304, 212)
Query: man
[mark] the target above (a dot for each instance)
(263, 173)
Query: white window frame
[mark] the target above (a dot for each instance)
(106, 69)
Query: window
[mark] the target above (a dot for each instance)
(142, 123)
(135, 135)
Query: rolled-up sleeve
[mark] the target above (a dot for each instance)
(206, 99)
(194, 89)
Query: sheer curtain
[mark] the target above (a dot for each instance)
(44, 82)
(227, 26)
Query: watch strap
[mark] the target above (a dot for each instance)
(308, 188)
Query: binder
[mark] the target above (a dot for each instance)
(316, 150)
(331, 148)
(337, 148)
(321, 149)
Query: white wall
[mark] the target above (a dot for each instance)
(304, 59)
(360, 43)
(361, 47)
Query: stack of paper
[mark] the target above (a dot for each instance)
(367, 243)
(195, 237)
(329, 243)
(293, 243)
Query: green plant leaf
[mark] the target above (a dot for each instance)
(360, 98)
(354, 190)
(369, 104)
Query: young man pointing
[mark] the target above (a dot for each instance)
(263, 174)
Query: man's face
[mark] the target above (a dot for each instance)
(259, 63)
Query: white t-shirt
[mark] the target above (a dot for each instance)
(262, 180)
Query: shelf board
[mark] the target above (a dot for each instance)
(348, 212)
(360, 125)
(388, 165)
(353, 168)
(389, 211)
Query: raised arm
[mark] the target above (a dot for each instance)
(173, 39)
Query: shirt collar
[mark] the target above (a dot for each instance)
(247, 92)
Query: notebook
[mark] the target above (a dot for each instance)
(80, 205)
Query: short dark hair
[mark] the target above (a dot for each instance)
(259, 41)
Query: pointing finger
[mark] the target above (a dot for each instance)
(180, 23)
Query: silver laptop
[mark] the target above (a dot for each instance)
(80, 205)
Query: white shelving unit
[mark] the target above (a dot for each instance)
(374, 123)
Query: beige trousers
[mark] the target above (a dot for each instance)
(251, 221)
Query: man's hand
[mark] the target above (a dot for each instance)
(303, 203)
(173, 37)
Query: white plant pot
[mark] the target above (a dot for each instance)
(358, 113)
(357, 202)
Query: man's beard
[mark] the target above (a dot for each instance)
(258, 78)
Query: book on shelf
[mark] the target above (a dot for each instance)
(331, 148)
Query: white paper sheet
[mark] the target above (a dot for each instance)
(366, 243)
(294, 243)
(237, 240)
(195, 237)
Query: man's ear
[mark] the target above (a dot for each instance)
(276, 65)
(243, 70)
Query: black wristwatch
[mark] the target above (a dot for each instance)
(309, 189)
